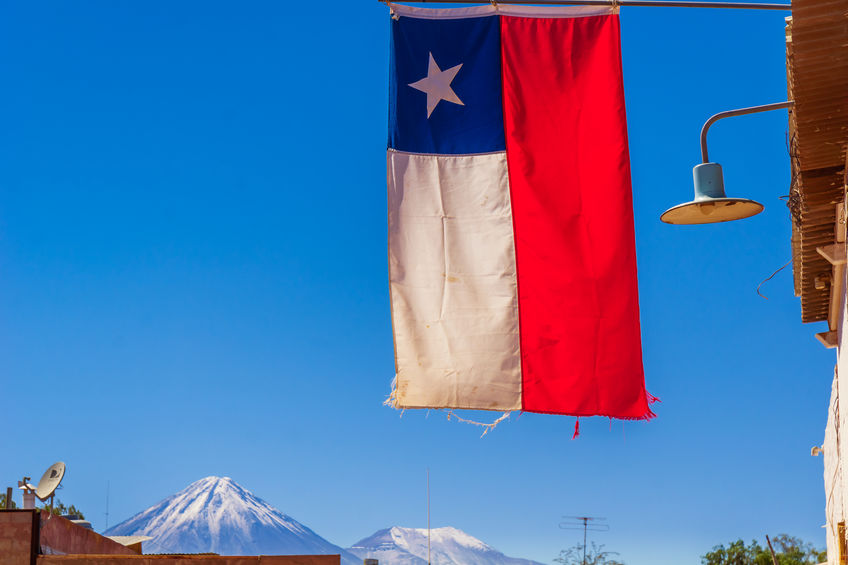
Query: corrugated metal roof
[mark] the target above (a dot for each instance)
(129, 540)
(817, 74)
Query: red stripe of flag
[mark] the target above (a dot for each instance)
(569, 174)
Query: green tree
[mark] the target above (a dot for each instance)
(789, 550)
(3, 502)
(594, 556)
(62, 510)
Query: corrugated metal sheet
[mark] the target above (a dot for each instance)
(817, 72)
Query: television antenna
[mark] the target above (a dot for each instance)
(428, 515)
(585, 523)
(50, 482)
(107, 505)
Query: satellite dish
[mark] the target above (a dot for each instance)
(50, 481)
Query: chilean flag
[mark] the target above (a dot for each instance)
(512, 260)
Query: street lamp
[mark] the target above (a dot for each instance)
(711, 204)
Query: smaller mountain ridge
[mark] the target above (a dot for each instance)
(218, 515)
(448, 546)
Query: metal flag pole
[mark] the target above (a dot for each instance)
(653, 3)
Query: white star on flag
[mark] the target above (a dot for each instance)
(437, 85)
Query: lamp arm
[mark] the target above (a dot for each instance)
(739, 112)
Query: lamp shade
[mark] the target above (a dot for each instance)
(710, 205)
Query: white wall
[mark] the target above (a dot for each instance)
(834, 506)
(835, 454)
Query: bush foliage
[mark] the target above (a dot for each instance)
(788, 549)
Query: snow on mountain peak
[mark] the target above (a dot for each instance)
(441, 536)
(448, 546)
(216, 514)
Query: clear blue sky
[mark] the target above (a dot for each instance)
(193, 281)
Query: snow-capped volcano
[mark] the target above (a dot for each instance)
(217, 515)
(448, 546)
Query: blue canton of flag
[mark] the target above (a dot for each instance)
(445, 86)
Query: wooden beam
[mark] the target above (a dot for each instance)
(837, 289)
(828, 339)
(834, 253)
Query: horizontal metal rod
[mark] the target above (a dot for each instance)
(655, 3)
(740, 112)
